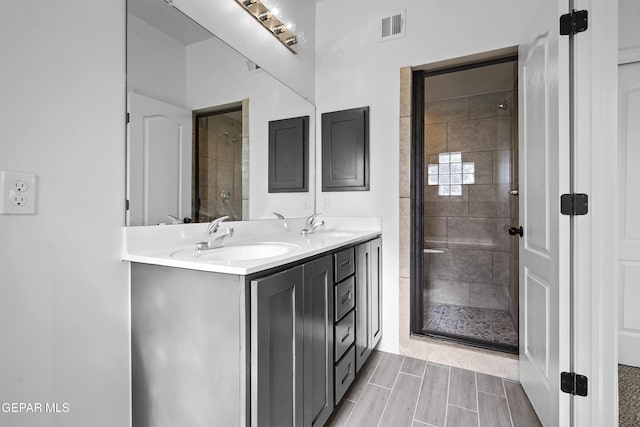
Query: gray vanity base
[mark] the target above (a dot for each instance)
(188, 343)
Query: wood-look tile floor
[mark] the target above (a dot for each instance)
(398, 391)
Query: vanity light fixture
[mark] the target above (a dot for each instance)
(283, 31)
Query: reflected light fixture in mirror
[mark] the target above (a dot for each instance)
(272, 19)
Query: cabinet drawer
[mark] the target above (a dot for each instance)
(344, 297)
(344, 334)
(345, 373)
(344, 264)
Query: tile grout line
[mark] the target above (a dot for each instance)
(374, 370)
(389, 397)
(504, 389)
(492, 394)
(446, 407)
(462, 407)
(424, 372)
(381, 386)
(475, 378)
(413, 375)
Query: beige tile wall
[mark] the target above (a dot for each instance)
(220, 167)
(489, 362)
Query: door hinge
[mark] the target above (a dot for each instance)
(574, 22)
(128, 117)
(573, 383)
(574, 204)
(126, 205)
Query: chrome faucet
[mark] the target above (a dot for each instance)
(279, 216)
(312, 224)
(215, 224)
(218, 242)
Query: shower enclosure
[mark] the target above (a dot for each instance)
(465, 201)
(218, 165)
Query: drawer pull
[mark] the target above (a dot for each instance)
(344, 338)
(344, 264)
(346, 296)
(346, 375)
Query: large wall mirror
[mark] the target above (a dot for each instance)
(199, 112)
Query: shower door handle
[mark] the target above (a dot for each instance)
(516, 231)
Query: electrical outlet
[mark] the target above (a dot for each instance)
(21, 186)
(17, 193)
(18, 199)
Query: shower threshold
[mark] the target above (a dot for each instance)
(479, 327)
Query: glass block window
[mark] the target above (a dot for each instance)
(450, 174)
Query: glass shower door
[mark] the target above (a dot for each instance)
(470, 259)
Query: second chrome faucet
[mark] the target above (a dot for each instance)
(312, 224)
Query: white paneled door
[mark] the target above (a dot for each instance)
(159, 161)
(545, 246)
(629, 214)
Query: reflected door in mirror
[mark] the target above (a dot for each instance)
(160, 142)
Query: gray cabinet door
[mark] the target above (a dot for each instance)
(363, 301)
(345, 150)
(368, 299)
(277, 349)
(289, 155)
(375, 286)
(318, 341)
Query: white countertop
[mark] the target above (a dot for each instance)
(174, 245)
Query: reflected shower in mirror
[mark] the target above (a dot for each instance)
(197, 140)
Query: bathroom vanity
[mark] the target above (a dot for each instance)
(271, 330)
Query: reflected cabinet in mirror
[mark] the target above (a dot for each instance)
(198, 132)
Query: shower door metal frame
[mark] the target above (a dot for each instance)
(417, 205)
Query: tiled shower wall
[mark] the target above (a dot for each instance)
(220, 167)
(471, 228)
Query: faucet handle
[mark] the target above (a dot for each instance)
(215, 224)
(278, 215)
(174, 219)
(312, 218)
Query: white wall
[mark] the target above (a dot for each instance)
(217, 75)
(156, 63)
(353, 70)
(64, 295)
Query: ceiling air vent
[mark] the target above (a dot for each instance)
(392, 27)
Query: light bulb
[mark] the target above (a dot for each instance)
(290, 26)
(291, 41)
(264, 16)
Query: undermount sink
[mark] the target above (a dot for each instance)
(240, 252)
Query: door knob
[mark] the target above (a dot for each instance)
(516, 231)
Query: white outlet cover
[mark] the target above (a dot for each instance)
(10, 193)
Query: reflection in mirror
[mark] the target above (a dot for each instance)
(218, 187)
(194, 104)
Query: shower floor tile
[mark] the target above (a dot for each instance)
(491, 325)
